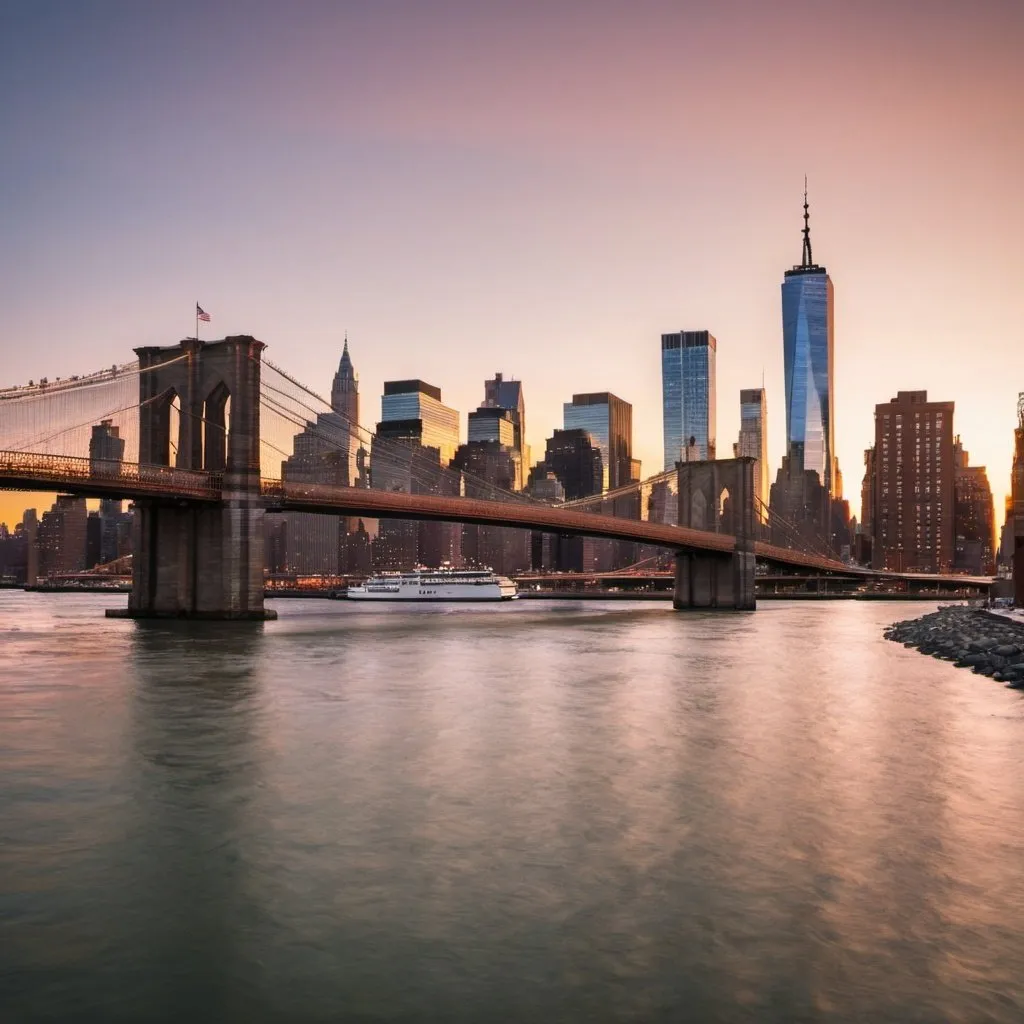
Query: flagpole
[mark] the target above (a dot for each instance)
(197, 321)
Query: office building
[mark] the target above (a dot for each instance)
(688, 394)
(808, 350)
(575, 459)
(1017, 494)
(913, 529)
(753, 443)
(609, 422)
(429, 421)
(500, 393)
(416, 439)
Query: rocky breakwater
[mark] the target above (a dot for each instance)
(970, 639)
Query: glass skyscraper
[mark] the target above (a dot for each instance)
(609, 421)
(433, 424)
(688, 393)
(808, 348)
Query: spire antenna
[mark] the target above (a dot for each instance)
(808, 260)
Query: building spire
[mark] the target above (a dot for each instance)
(808, 261)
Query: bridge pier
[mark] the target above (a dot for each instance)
(714, 581)
(194, 560)
(718, 496)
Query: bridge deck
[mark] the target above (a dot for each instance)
(35, 472)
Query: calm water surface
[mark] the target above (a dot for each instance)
(540, 811)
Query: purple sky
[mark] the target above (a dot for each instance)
(536, 188)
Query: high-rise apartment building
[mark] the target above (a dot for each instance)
(973, 516)
(62, 536)
(808, 350)
(913, 527)
(609, 421)
(753, 443)
(688, 394)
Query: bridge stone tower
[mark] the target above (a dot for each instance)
(195, 560)
(717, 495)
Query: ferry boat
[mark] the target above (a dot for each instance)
(436, 585)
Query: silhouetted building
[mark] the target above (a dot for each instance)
(808, 349)
(106, 453)
(575, 458)
(358, 551)
(62, 536)
(609, 421)
(753, 443)
(490, 468)
(914, 515)
(862, 548)
(30, 524)
(93, 536)
(1017, 493)
(973, 516)
(688, 394)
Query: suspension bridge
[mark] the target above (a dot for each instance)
(211, 432)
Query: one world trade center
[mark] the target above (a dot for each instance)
(808, 346)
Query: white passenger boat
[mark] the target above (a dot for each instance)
(435, 585)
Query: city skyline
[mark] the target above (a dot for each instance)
(493, 200)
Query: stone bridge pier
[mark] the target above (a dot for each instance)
(718, 496)
(196, 560)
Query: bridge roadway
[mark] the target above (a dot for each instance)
(23, 471)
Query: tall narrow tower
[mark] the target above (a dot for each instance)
(808, 350)
(345, 389)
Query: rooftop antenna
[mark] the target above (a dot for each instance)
(807, 260)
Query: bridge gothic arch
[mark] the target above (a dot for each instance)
(718, 496)
(216, 427)
(192, 560)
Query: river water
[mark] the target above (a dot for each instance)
(541, 811)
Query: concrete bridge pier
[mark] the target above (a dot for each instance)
(710, 580)
(717, 495)
(196, 560)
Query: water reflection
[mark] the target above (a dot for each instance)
(551, 813)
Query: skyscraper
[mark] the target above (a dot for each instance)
(419, 406)
(106, 452)
(808, 344)
(508, 394)
(324, 452)
(417, 438)
(913, 461)
(688, 394)
(609, 421)
(753, 442)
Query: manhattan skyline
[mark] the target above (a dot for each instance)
(468, 192)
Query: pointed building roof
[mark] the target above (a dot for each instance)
(345, 366)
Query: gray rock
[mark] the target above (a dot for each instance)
(1006, 650)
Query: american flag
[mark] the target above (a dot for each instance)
(201, 314)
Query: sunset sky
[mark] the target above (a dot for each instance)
(537, 188)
